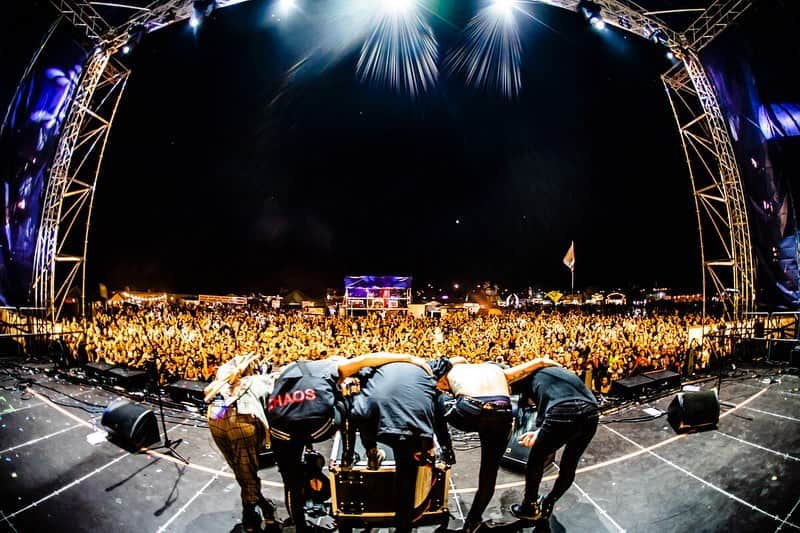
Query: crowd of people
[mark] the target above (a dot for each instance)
(193, 341)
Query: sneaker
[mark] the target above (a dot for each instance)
(545, 506)
(527, 511)
(375, 457)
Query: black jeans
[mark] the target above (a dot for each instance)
(289, 457)
(492, 422)
(573, 423)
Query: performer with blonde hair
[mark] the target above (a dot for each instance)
(239, 426)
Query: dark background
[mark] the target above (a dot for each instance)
(223, 174)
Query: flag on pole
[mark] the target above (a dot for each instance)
(569, 259)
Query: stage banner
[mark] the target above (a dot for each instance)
(28, 142)
(753, 68)
(233, 300)
(377, 282)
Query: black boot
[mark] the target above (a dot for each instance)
(471, 526)
(527, 511)
(267, 508)
(251, 520)
(546, 506)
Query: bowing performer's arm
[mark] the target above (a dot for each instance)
(349, 367)
(524, 370)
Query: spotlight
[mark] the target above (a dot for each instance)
(492, 51)
(670, 55)
(285, 7)
(624, 23)
(135, 34)
(400, 51)
(396, 6)
(503, 8)
(201, 9)
(591, 12)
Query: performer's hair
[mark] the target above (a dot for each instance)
(440, 367)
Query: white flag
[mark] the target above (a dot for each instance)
(569, 259)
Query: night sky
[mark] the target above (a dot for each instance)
(224, 174)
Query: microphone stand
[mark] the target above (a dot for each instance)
(168, 445)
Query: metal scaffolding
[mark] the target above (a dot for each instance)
(61, 245)
(724, 233)
(723, 229)
(725, 242)
(59, 270)
(626, 16)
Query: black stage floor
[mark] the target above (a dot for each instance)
(744, 476)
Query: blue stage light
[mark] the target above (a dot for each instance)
(504, 8)
(491, 54)
(396, 6)
(201, 9)
(592, 13)
(597, 23)
(135, 34)
(400, 50)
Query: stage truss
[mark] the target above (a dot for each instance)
(62, 243)
(724, 232)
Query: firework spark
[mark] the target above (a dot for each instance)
(401, 51)
(491, 53)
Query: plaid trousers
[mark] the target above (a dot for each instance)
(238, 437)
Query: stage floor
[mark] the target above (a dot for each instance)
(744, 476)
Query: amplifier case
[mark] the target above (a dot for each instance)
(367, 495)
(361, 496)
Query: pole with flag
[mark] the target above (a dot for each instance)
(569, 262)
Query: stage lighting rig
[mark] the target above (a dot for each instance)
(135, 35)
(201, 10)
(659, 37)
(591, 12)
(171, 15)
